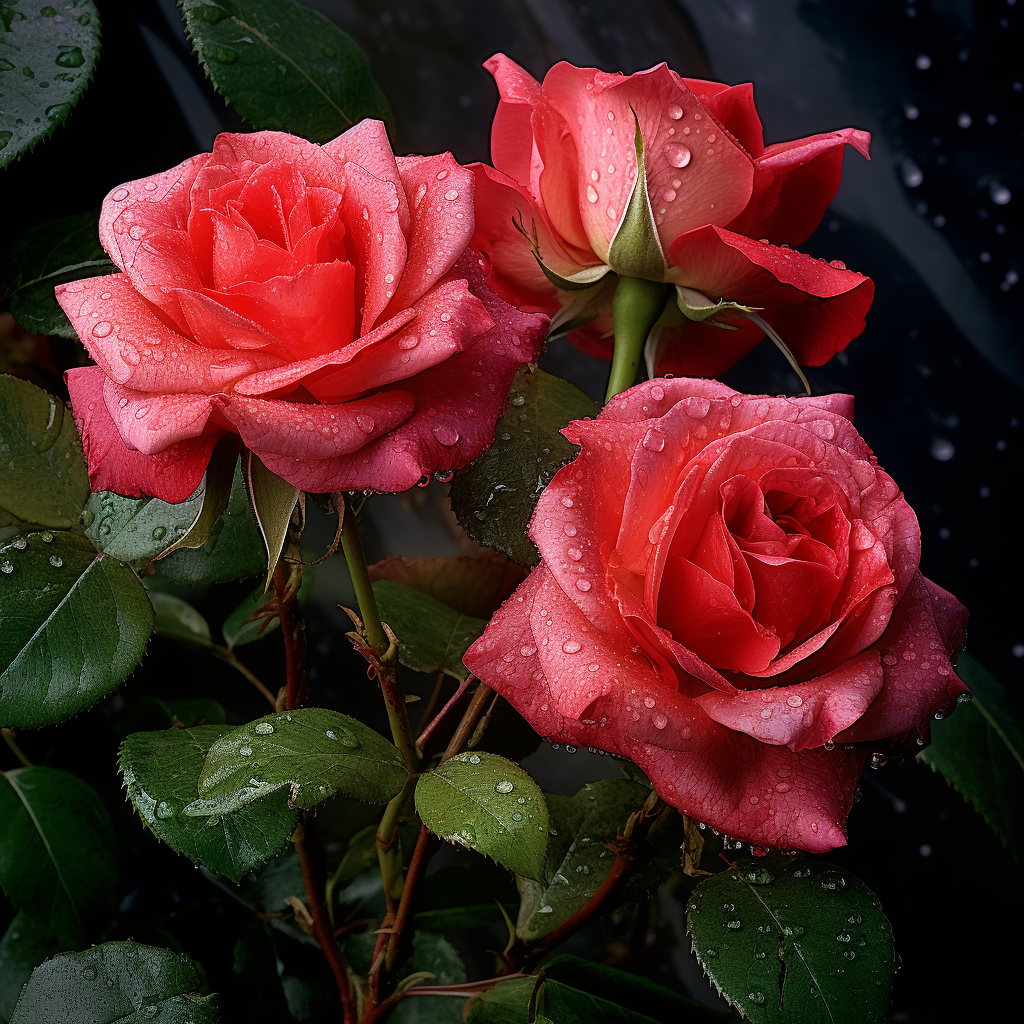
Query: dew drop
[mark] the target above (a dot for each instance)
(263, 728)
(503, 787)
(674, 111)
(591, 193)
(56, 561)
(677, 154)
(571, 646)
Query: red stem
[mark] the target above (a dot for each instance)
(439, 717)
(294, 640)
(426, 844)
(312, 877)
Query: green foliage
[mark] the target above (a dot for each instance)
(794, 941)
(980, 751)
(494, 497)
(73, 626)
(47, 57)
(487, 804)
(137, 530)
(313, 753)
(431, 636)
(116, 983)
(232, 550)
(161, 773)
(575, 991)
(283, 66)
(178, 620)
(44, 477)
(44, 256)
(578, 858)
(273, 501)
(25, 945)
(58, 858)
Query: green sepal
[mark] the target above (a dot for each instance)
(698, 307)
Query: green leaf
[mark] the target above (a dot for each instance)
(577, 858)
(487, 804)
(178, 620)
(25, 945)
(575, 991)
(431, 636)
(58, 857)
(980, 751)
(152, 713)
(116, 983)
(494, 497)
(233, 549)
(47, 56)
(137, 530)
(794, 941)
(312, 753)
(161, 773)
(465, 897)
(434, 961)
(283, 66)
(73, 626)
(273, 502)
(44, 476)
(44, 256)
(240, 628)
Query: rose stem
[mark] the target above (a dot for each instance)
(8, 735)
(314, 876)
(426, 844)
(635, 309)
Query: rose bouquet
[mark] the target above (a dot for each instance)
(249, 364)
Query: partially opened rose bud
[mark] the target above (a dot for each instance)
(317, 301)
(666, 179)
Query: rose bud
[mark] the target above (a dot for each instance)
(729, 595)
(665, 179)
(319, 302)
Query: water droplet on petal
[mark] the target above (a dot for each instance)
(677, 154)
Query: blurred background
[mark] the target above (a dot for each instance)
(933, 219)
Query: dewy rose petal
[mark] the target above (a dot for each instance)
(721, 207)
(728, 595)
(318, 301)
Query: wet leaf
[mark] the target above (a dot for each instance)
(488, 804)
(44, 256)
(25, 945)
(577, 858)
(494, 497)
(431, 636)
(44, 476)
(233, 548)
(48, 54)
(178, 620)
(161, 774)
(794, 941)
(117, 983)
(311, 754)
(283, 66)
(137, 530)
(980, 751)
(73, 625)
(58, 856)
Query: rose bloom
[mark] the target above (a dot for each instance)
(728, 595)
(722, 208)
(317, 301)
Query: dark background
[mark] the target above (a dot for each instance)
(933, 219)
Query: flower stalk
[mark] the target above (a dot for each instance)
(636, 307)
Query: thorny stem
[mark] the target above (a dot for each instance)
(312, 877)
(15, 749)
(293, 632)
(636, 307)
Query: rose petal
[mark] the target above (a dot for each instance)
(172, 475)
(519, 95)
(136, 348)
(150, 423)
(793, 184)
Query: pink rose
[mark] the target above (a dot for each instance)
(566, 169)
(729, 595)
(318, 301)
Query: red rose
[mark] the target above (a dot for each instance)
(566, 164)
(318, 301)
(729, 595)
